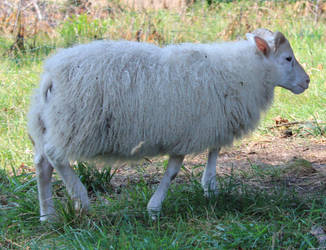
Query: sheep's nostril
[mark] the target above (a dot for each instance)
(308, 81)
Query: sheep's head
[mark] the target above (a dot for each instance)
(277, 50)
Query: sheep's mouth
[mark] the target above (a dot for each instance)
(303, 85)
(298, 89)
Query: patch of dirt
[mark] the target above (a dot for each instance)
(298, 162)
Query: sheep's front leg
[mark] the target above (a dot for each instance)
(75, 188)
(44, 172)
(155, 203)
(208, 180)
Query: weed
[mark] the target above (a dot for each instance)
(79, 29)
(93, 178)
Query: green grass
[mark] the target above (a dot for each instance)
(16, 84)
(241, 216)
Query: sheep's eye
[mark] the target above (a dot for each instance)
(289, 58)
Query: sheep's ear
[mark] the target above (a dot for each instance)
(279, 38)
(260, 43)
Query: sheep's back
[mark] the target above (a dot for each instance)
(110, 97)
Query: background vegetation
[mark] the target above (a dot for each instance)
(241, 217)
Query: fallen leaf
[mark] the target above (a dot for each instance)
(320, 67)
(23, 166)
(280, 120)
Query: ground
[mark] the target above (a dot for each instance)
(300, 162)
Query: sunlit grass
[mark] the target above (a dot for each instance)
(16, 83)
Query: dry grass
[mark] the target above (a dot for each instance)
(24, 22)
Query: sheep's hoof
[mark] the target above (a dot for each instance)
(51, 218)
(154, 213)
(211, 193)
(81, 208)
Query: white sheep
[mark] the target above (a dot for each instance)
(128, 100)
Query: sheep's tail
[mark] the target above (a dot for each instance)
(36, 124)
(46, 87)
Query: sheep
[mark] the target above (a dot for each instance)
(129, 100)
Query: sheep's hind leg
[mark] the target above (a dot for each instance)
(75, 188)
(208, 180)
(44, 172)
(155, 203)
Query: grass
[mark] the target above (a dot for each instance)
(242, 216)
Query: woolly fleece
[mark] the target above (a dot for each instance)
(107, 97)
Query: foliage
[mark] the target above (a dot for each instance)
(93, 178)
(81, 28)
